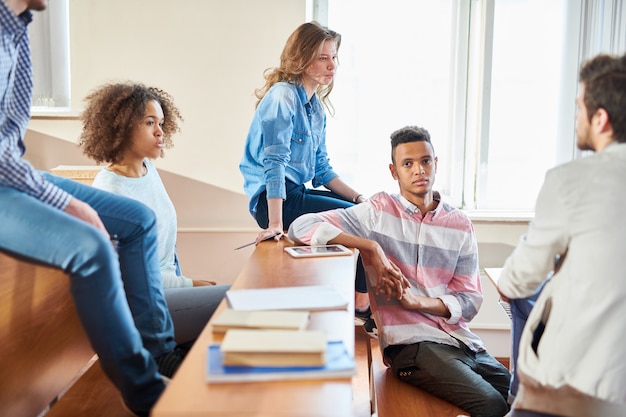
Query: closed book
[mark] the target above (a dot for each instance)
(339, 364)
(274, 348)
(265, 319)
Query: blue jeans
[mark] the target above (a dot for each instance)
(119, 299)
(473, 381)
(301, 200)
(520, 309)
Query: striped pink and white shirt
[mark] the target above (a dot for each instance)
(437, 252)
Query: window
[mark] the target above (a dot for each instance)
(49, 35)
(526, 118)
(494, 82)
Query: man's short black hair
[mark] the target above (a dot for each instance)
(409, 134)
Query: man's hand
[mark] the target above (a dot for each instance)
(391, 281)
(85, 212)
(430, 305)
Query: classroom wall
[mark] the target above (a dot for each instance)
(210, 56)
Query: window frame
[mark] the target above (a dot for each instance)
(586, 35)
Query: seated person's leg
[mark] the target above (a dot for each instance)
(48, 235)
(494, 372)
(301, 200)
(448, 373)
(520, 309)
(134, 226)
(191, 308)
(361, 302)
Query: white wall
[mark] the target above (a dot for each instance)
(209, 54)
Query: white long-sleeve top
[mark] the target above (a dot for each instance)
(150, 190)
(580, 213)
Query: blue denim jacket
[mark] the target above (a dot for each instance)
(287, 139)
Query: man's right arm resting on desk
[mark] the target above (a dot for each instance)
(314, 229)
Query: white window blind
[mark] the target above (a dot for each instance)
(49, 35)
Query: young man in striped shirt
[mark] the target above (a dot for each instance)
(422, 265)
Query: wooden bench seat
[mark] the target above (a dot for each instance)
(44, 348)
(92, 395)
(393, 398)
(42, 343)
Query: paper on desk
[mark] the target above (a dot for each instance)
(311, 298)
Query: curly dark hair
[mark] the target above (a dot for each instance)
(111, 113)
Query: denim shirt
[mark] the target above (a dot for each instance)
(287, 139)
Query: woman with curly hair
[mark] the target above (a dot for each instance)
(126, 125)
(286, 143)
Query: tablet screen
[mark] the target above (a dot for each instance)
(325, 250)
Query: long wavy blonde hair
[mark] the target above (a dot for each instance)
(302, 48)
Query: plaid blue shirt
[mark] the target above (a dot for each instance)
(16, 84)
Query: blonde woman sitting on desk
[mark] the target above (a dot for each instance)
(126, 125)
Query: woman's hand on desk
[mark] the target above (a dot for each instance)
(275, 233)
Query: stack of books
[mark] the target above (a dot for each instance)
(265, 345)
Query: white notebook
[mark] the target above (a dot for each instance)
(264, 319)
(310, 298)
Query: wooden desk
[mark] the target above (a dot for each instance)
(269, 266)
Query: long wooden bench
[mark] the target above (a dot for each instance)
(392, 398)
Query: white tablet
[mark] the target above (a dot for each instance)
(324, 250)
